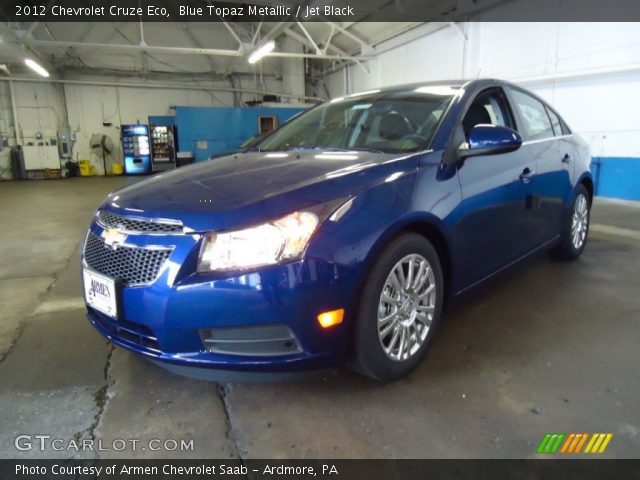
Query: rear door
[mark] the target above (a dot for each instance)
(552, 152)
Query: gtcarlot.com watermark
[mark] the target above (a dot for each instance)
(50, 443)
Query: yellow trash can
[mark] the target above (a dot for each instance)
(85, 168)
(116, 169)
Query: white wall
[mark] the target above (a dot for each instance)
(91, 106)
(41, 110)
(589, 71)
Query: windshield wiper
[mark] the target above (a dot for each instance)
(317, 147)
(365, 149)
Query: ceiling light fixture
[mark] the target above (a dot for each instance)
(261, 51)
(36, 67)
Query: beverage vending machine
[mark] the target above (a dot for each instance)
(135, 146)
(163, 147)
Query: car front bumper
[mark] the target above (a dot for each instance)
(134, 337)
(174, 319)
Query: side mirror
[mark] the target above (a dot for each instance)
(489, 140)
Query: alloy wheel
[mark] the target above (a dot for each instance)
(406, 307)
(579, 221)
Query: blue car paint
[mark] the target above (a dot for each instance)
(476, 212)
(490, 136)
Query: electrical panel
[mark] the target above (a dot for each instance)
(65, 144)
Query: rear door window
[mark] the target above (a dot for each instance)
(537, 125)
(555, 122)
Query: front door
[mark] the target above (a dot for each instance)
(493, 227)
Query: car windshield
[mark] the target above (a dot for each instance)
(389, 122)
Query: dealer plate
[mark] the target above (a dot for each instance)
(100, 293)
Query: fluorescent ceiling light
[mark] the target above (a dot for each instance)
(260, 52)
(36, 67)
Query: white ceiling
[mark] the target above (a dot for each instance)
(170, 48)
(70, 48)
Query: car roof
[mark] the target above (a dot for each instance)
(467, 84)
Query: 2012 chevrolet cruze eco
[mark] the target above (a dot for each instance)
(339, 236)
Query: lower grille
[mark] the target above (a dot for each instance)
(136, 266)
(129, 331)
(260, 341)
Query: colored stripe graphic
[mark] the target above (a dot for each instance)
(581, 442)
(598, 442)
(574, 442)
(543, 443)
(550, 443)
(569, 441)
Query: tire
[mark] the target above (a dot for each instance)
(573, 242)
(372, 352)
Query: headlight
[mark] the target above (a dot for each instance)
(267, 244)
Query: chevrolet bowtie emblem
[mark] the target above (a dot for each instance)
(113, 237)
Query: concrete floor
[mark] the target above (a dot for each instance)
(546, 347)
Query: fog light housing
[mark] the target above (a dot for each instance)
(331, 318)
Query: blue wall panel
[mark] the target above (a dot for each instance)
(209, 130)
(167, 120)
(617, 177)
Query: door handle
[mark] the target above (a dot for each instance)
(566, 158)
(526, 175)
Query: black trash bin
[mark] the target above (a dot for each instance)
(184, 158)
(17, 163)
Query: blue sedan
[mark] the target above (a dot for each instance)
(338, 237)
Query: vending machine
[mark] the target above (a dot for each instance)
(163, 147)
(135, 146)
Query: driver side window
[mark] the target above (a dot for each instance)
(490, 107)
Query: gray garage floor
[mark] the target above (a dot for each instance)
(547, 347)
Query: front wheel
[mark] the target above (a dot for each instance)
(399, 309)
(576, 228)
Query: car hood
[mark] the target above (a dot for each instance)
(223, 192)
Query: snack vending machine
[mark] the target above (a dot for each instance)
(135, 146)
(163, 147)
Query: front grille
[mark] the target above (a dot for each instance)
(140, 226)
(136, 266)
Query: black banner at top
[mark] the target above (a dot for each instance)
(316, 10)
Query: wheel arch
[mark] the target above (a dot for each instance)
(426, 225)
(439, 241)
(587, 181)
